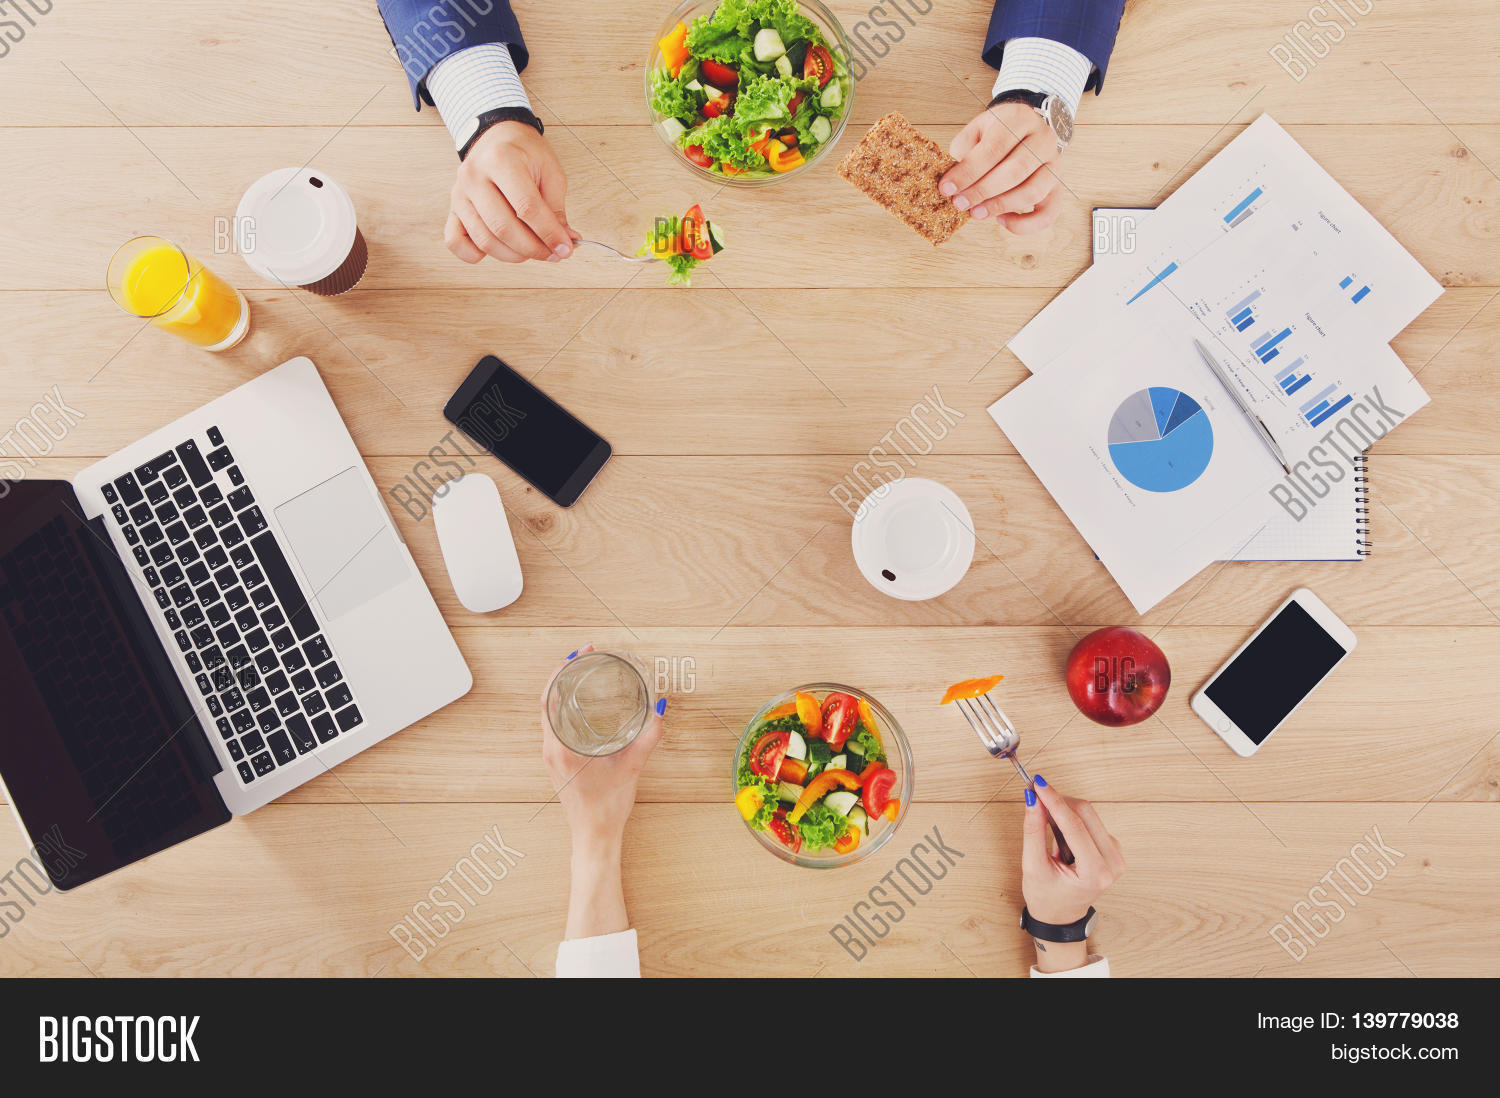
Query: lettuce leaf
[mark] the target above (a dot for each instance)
(768, 803)
(787, 18)
(764, 100)
(670, 98)
(727, 141)
(873, 750)
(821, 827)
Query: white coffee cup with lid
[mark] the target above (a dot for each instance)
(297, 227)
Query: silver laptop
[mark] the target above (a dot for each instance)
(277, 612)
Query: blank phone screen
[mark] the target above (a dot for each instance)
(526, 429)
(1279, 668)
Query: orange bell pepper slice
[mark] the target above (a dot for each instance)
(848, 841)
(781, 711)
(674, 49)
(811, 713)
(893, 809)
(970, 688)
(820, 785)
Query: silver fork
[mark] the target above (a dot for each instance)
(622, 255)
(1001, 739)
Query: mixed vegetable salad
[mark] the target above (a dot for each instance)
(750, 90)
(814, 774)
(684, 242)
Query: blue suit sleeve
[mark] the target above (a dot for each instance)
(1088, 26)
(424, 32)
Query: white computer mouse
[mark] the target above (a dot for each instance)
(477, 547)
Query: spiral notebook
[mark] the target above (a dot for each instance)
(1338, 527)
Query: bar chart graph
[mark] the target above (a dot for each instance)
(1324, 405)
(1293, 377)
(1241, 314)
(1359, 294)
(1156, 280)
(1266, 346)
(1243, 209)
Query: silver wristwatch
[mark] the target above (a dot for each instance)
(1053, 110)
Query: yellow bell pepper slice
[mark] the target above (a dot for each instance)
(674, 49)
(748, 801)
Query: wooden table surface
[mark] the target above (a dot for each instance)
(712, 541)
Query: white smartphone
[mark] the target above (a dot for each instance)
(1273, 672)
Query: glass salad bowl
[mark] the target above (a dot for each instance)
(834, 799)
(823, 111)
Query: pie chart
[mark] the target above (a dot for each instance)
(1160, 439)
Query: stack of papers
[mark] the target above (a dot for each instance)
(1263, 258)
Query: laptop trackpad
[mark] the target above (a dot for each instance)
(344, 543)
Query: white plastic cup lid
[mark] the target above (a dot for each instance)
(295, 226)
(913, 540)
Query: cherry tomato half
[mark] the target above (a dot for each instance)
(696, 154)
(840, 716)
(719, 74)
(877, 795)
(787, 835)
(818, 66)
(766, 755)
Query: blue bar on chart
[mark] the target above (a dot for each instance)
(1232, 218)
(1290, 379)
(1363, 292)
(1266, 346)
(1311, 407)
(1168, 269)
(1317, 420)
(1348, 281)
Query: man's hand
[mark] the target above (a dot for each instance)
(1006, 169)
(508, 200)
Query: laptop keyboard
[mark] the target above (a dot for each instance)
(243, 625)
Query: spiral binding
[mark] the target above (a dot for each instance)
(1362, 505)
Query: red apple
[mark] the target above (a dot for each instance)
(1118, 676)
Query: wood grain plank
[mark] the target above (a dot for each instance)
(790, 371)
(315, 890)
(273, 65)
(1416, 179)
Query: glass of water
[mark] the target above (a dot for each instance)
(600, 702)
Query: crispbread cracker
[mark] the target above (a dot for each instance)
(899, 169)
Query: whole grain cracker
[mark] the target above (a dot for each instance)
(899, 169)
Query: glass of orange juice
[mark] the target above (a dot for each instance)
(155, 280)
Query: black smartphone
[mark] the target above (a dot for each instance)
(502, 412)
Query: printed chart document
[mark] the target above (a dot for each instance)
(1296, 290)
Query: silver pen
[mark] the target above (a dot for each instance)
(1244, 405)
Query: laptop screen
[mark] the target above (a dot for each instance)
(102, 756)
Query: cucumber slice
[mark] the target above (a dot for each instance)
(841, 801)
(821, 129)
(796, 748)
(833, 96)
(797, 55)
(693, 86)
(854, 747)
(839, 762)
(788, 792)
(710, 91)
(673, 128)
(859, 819)
(716, 238)
(784, 66)
(768, 45)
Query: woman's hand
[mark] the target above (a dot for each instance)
(597, 794)
(1058, 893)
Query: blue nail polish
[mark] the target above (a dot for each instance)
(572, 654)
(1030, 799)
(1041, 781)
(661, 707)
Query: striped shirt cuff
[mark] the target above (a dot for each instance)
(472, 81)
(1042, 65)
